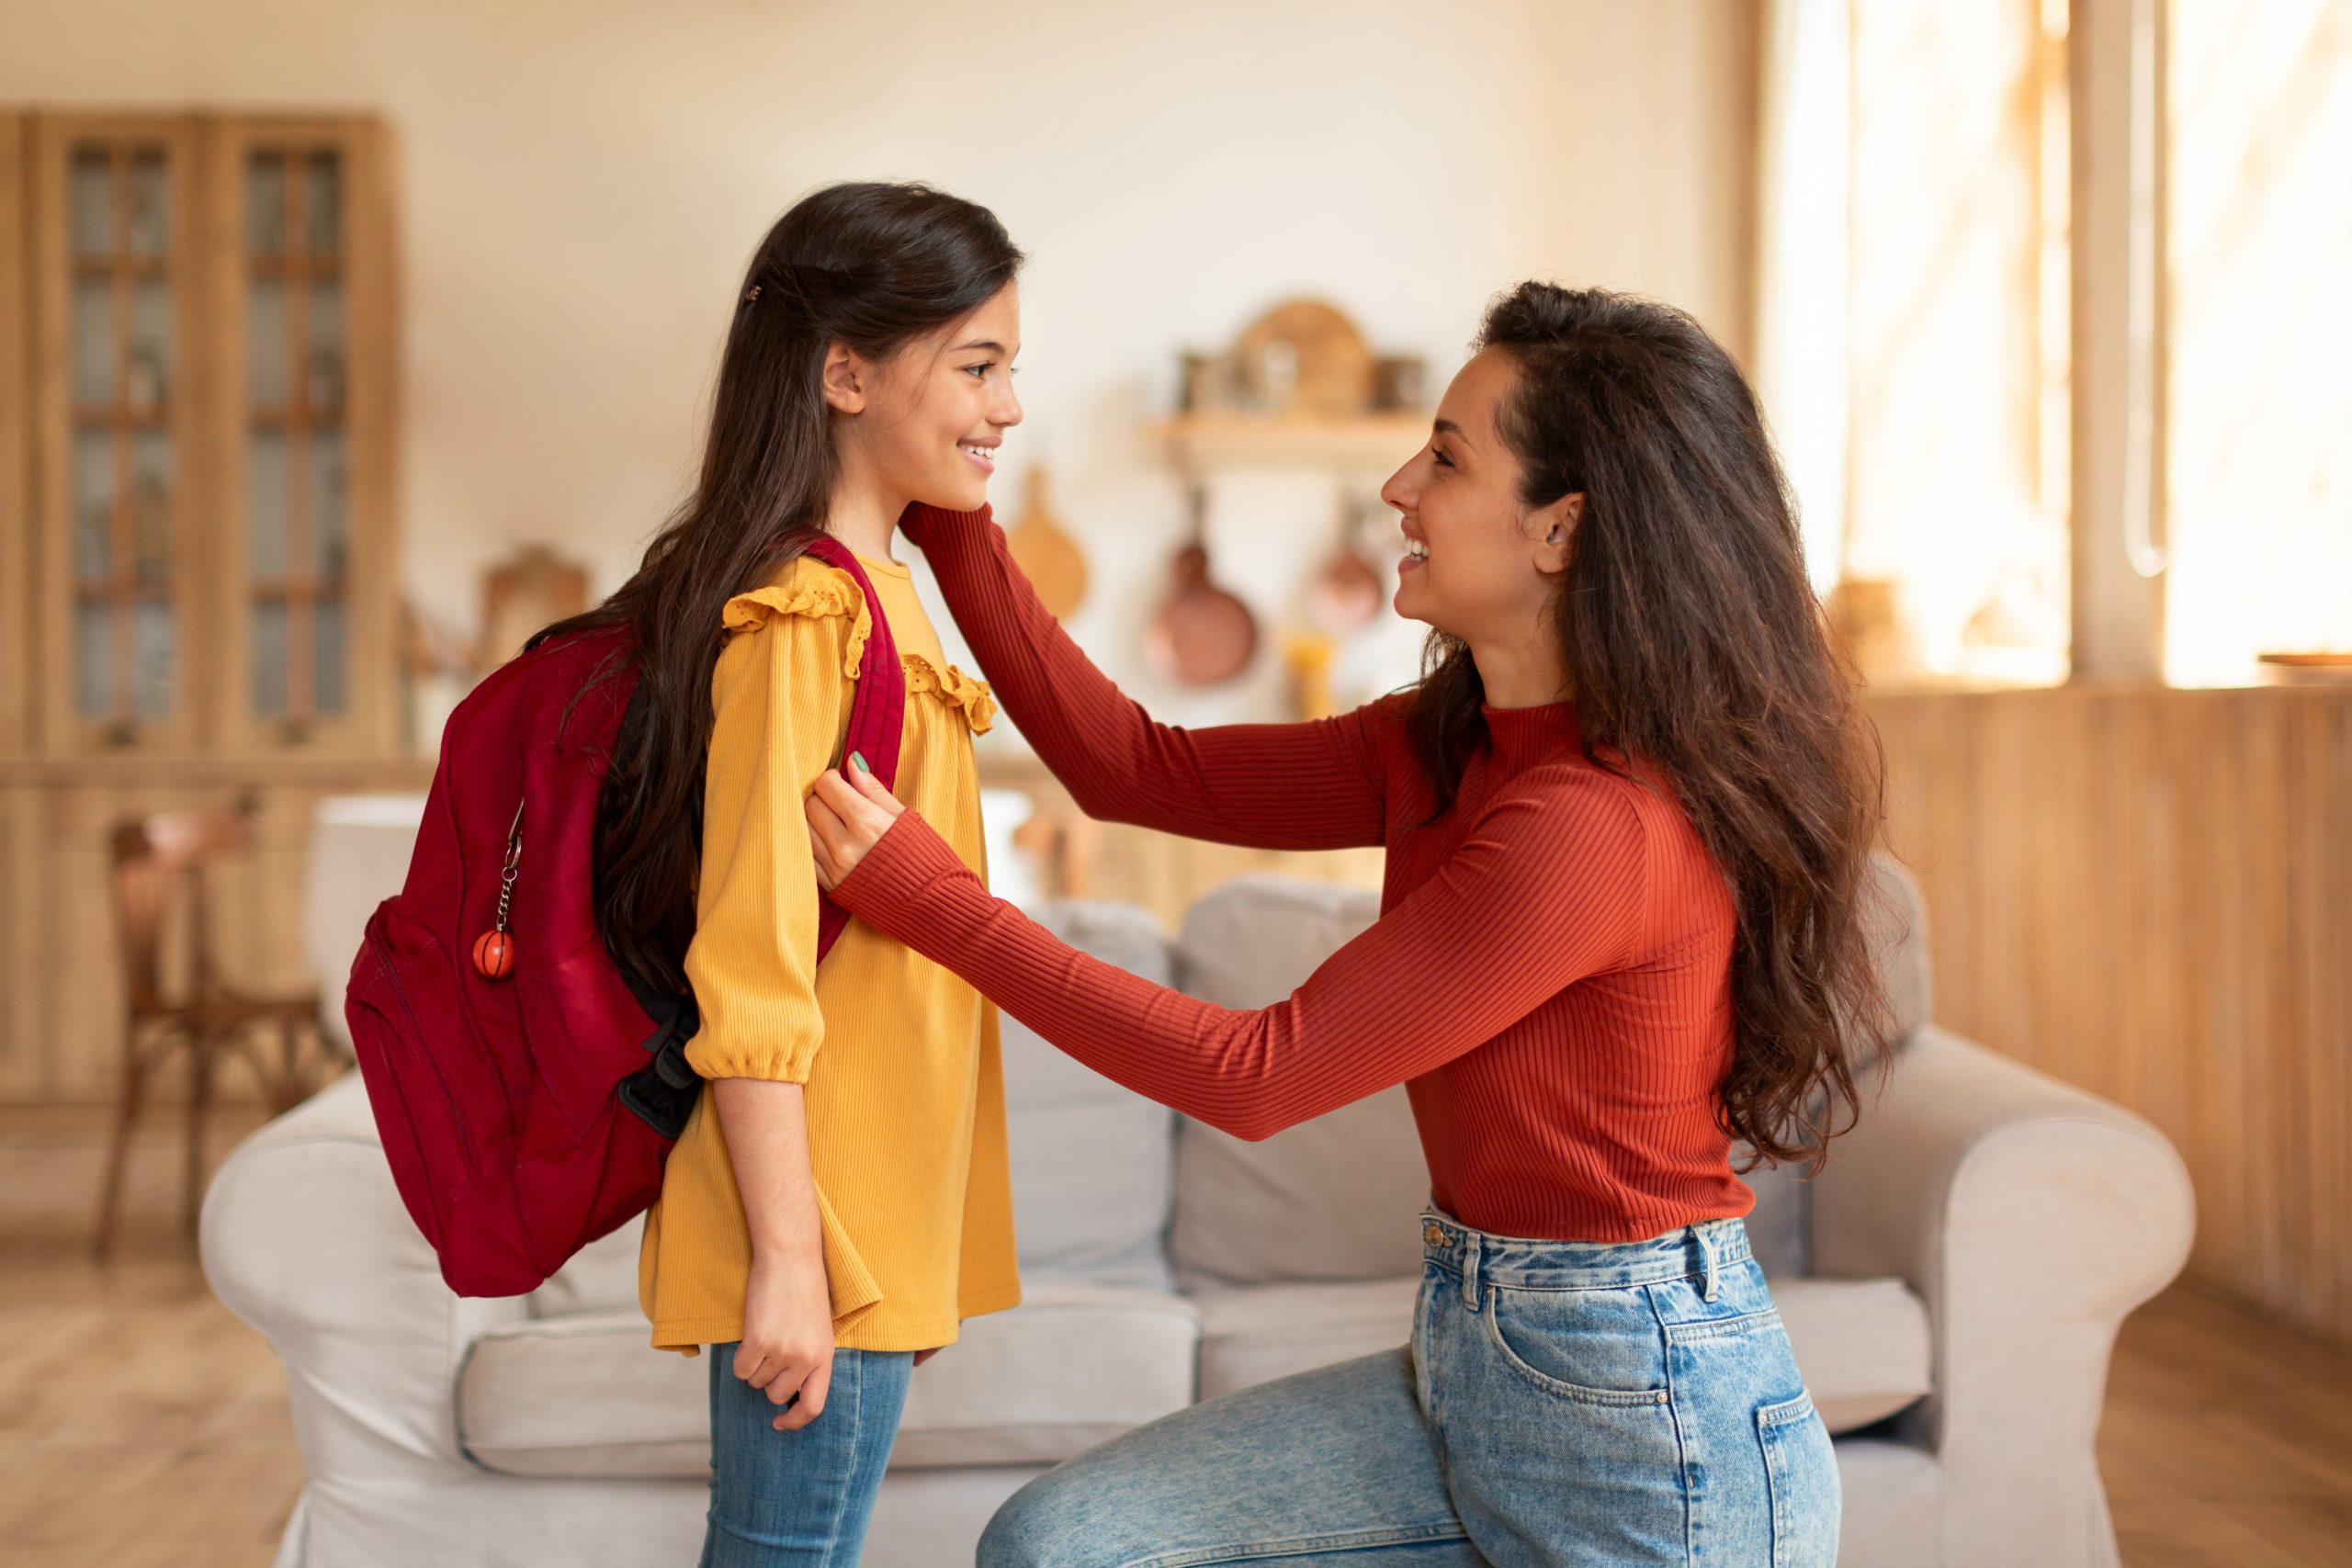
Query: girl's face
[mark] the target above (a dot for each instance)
(1479, 563)
(926, 424)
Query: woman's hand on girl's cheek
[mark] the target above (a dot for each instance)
(847, 811)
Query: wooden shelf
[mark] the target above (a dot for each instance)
(1378, 441)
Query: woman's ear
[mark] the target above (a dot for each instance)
(1555, 528)
(847, 379)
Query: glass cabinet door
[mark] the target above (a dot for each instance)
(297, 514)
(301, 434)
(113, 223)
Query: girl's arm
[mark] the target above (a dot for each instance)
(1550, 887)
(787, 1345)
(1315, 785)
(752, 964)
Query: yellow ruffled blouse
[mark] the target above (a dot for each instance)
(901, 1057)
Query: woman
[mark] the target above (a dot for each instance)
(839, 1199)
(1627, 813)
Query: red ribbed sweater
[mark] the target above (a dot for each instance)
(1549, 975)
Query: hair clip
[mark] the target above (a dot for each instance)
(751, 293)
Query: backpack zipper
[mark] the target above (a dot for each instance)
(417, 1034)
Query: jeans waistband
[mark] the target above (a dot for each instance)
(1533, 1263)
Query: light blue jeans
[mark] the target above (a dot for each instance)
(1560, 1403)
(799, 1499)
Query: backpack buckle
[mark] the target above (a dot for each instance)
(661, 1093)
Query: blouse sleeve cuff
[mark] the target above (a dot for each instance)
(930, 527)
(907, 882)
(712, 1057)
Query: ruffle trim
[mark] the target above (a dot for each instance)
(818, 595)
(969, 692)
(829, 593)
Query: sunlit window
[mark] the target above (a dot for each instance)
(2258, 418)
(1914, 352)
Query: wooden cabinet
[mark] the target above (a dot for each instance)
(210, 429)
(197, 444)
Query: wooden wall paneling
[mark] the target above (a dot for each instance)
(20, 999)
(17, 641)
(2149, 892)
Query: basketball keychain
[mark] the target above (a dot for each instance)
(495, 949)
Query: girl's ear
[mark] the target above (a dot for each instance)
(846, 377)
(1555, 528)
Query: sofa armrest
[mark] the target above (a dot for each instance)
(2032, 1217)
(304, 1237)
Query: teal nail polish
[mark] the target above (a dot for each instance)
(859, 758)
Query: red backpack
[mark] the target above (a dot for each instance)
(526, 1093)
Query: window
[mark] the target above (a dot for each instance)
(2258, 368)
(1914, 355)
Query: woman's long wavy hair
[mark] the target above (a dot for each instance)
(1695, 644)
(874, 266)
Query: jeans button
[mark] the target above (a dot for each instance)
(1430, 1234)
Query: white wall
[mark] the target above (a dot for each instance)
(581, 184)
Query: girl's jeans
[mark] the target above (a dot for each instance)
(799, 1499)
(1560, 1403)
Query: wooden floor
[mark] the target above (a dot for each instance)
(140, 1425)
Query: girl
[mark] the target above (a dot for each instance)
(867, 368)
(1627, 812)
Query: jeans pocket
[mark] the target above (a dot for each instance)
(1801, 1468)
(1592, 1347)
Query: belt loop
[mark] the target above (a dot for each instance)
(1707, 1247)
(1470, 1270)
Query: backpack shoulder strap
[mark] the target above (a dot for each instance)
(878, 709)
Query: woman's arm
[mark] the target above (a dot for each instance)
(1549, 887)
(1315, 785)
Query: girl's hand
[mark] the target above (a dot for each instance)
(787, 1345)
(847, 812)
(923, 1356)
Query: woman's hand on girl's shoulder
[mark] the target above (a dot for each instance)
(847, 812)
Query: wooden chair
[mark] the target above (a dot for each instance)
(155, 859)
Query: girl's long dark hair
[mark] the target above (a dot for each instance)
(1695, 644)
(872, 265)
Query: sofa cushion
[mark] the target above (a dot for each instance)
(601, 1276)
(1896, 912)
(1863, 1345)
(1336, 1198)
(582, 1395)
(1076, 1363)
(1780, 1228)
(1254, 1333)
(1092, 1162)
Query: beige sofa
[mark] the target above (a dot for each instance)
(1952, 1282)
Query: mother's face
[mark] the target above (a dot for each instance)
(1492, 563)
